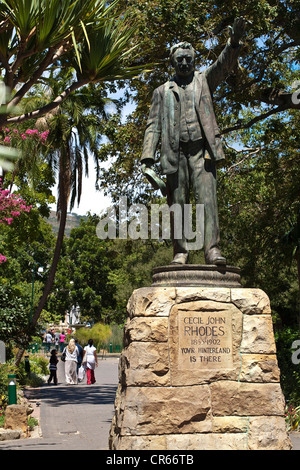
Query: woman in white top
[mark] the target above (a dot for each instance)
(71, 362)
(90, 357)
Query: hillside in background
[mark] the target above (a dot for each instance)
(73, 220)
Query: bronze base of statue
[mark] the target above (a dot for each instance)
(196, 275)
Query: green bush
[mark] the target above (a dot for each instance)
(32, 422)
(116, 338)
(289, 372)
(38, 369)
(5, 370)
(13, 315)
(99, 333)
(292, 418)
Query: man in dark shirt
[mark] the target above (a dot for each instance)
(80, 355)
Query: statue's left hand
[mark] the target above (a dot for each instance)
(237, 31)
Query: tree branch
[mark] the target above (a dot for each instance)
(280, 98)
(254, 120)
(53, 54)
(48, 107)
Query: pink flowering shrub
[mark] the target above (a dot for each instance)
(11, 206)
(12, 135)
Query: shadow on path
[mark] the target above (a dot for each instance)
(56, 396)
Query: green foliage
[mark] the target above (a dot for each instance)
(104, 272)
(99, 333)
(91, 36)
(103, 55)
(13, 316)
(86, 257)
(292, 418)
(5, 369)
(116, 339)
(32, 422)
(289, 372)
(270, 46)
(38, 369)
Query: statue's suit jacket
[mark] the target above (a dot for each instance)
(164, 116)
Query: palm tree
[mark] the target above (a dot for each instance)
(96, 49)
(75, 134)
(91, 36)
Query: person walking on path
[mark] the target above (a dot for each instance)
(72, 354)
(62, 338)
(53, 367)
(90, 356)
(80, 356)
(48, 340)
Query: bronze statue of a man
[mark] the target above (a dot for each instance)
(182, 118)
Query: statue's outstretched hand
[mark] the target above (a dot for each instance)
(237, 31)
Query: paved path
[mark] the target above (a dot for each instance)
(74, 417)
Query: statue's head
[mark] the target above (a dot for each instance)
(182, 56)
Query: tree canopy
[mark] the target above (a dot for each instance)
(262, 86)
(89, 37)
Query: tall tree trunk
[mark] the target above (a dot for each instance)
(50, 280)
(64, 191)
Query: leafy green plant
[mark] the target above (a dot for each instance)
(32, 422)
(38, 369)
(14, 318)
(289, 372)
(2, 418)
(5, 369)
(99, 333)
(292, 417)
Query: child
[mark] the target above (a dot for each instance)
(53, 367)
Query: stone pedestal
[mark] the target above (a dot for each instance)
(199, 372)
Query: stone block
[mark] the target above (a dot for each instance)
(9, 434)
(230, 424)
(209, 441)
(192, 294)
(163, 410)
(251, 301)
(258, 336)
(16, 417)
(151, 301)
(230, 398)
(139, 443)
(259, 368)
(146, 329)
(268, 434)
(146, 364)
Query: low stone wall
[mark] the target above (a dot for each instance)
(199, 371)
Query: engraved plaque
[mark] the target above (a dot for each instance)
(205, 340)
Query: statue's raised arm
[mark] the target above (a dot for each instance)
(223, 66)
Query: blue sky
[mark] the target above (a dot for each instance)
(91, 200)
